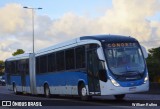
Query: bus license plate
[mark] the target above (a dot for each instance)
(132, 89)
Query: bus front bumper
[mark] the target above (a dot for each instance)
(109, 89)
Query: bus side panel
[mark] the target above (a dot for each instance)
(28, 90)
(8, 81)
(61, 82)
(17, 80)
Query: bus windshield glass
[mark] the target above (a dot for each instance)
(124, 58)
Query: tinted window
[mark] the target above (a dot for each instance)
(13, 67)
(80, 57)
(19, 67)
(7, 67)
(43, 64)
(27, 66)
(92, 46)
(51, 62)
(10, 67)
(60, 60)
(70, 61)
(37, 65)
(16, 69)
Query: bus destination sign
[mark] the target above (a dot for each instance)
(121, 45)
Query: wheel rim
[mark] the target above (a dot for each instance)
(47, 91)
(83, 91)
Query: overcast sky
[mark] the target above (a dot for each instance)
(62, 20)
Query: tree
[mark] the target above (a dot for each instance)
(153, 64)
(19, 51)
(1, 67)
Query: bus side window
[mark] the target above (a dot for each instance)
(80, 57)
(37, 65)
(51, 62)
(43, 64)
(27, 66)
(8, 67)
(13, 67)
(70, 59)
(60, 61)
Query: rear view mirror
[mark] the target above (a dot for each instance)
(103, 75)
(144, 51)
(100, 54)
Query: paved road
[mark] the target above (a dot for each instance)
(67, 101)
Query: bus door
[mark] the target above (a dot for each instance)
(8, 76)
(92, 71)
(23, 77)
(23, 74)
(8, 72)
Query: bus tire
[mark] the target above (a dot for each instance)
(83, 93)
(119, 97)
(15, 89)
(46, 91)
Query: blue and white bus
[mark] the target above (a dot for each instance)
(86, 66)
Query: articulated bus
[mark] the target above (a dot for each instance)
(86, 66)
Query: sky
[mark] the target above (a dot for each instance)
(62, 20)
(57, 8)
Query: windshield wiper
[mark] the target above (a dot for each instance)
(130, 73)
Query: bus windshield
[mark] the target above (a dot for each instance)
(124, 59)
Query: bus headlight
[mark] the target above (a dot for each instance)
(114, 82)
(146, 79)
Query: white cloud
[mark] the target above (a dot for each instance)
(16, 29)
(126, 17)
(13, 19)
(129, 17)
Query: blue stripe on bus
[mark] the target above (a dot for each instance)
(66, 78)
(16, 79)
(53, 79)
(61, 78)
(27, 80)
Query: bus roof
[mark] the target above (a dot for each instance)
(57, 46)
(101, 38)
(18, 57)
(110, 38)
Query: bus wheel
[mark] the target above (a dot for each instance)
(46, 91)
(14, 89)
(119, 97)
(83, 93)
